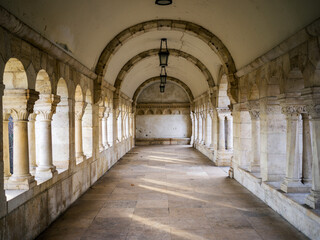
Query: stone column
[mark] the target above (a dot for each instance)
(192, 128)
(79, 111)
(105, 129)
(312, 101)
(292, 181)
(222, 140)
(6, 145)
(212, 128)
(32, 143)
(101, 127)
(196, 115)
(45, 107)
(204, 127)
(230, 133)
(306, 150)
(255, 141)
(273, 140)
(20, 103)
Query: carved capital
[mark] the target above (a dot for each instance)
(19, 102)
(293, 110)
(45, 107)
(254, 114)
(313, 110)
(102, 110)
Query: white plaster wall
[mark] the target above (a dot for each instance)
(163, 126)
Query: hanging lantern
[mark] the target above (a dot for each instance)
(163, 75)
(163, 2)
(163, 53)
(162, 86)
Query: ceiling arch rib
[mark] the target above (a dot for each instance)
(154, 52)
(178, 67)
(150, 81)
(164, 24)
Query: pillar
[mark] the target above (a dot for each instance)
(105, 129)
(45, 108)
(211, 113)
(32, 142)
(221, 133)
(255, 141)
(272, 140)
(6, 151)
(79, 111)
(312, 101)
(306, 150)
(101, 127)
(230, 133)
(192, 127)
(20, 102)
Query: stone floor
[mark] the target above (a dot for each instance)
(169, 192)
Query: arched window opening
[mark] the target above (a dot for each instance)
(16, 100)
(87, 126)
(61, 128)
(44, 108)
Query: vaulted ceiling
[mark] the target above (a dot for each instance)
(246, 29)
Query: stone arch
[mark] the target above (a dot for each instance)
(43, 84)
(158, 112)
(153, 52)
(166, 24)
(61, 128)
(78, 95)
(253, 92)
(155, 79)
(15, 76)
(140, 112)
(167, 111)
(150, 112)
(223, 99)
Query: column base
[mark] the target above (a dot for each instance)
(20, 182)
(46, 172)
(294, 186)
(80, 158)
(231, 173)
(313, 199)
(33, 170)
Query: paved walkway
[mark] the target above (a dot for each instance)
(169, 192)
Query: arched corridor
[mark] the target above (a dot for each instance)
(209, 106)
(169, 193)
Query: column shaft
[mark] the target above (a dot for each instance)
(306, 150)
(222, 145)
(6, 152)
(230, 134)
(292, 181)
(32, 143)
(78, 135)
(255, 145)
